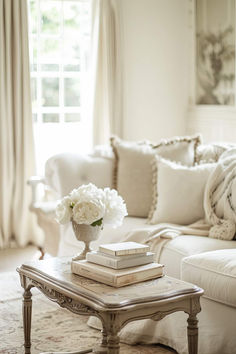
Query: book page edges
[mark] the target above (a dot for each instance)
(122, 257)
(119, 280)
(124, 252)
(94, 267)
(119, 262)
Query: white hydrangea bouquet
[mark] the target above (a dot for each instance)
(93, 206)
(89, 208)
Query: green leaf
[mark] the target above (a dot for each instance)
(97, 222)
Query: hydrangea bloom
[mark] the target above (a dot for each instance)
(115, 208)
(91, 205)
(64, 211)
(88, 212)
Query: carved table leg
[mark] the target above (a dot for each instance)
(104, 337)
(102, 348)
(113, 344)
(27, 311)
(192, 334)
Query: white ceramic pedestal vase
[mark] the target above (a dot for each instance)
(86, 234)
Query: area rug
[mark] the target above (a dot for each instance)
(53, 328)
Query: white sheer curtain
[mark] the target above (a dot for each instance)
(106, 70)
(17, 225)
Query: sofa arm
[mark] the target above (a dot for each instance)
(43, 205)
(44, 198)
(66, 171)
(34, 183)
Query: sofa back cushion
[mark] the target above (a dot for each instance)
(66, 171)
(133, 175)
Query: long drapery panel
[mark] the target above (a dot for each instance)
(106, 70)
(17, 224)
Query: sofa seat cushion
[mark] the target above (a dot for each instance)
(187, 245)
(215, 272)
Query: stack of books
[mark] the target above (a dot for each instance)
(119, 264)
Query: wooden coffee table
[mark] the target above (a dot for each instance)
(153, 299)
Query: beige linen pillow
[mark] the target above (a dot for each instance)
(133, 168)
(180, 191)
(180, 149)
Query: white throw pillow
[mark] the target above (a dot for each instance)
(178, 192)
(133, 168)
(179, 149)
(207, 153)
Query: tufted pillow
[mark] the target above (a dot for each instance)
(179, 191)
(133, 169)
(66, 171)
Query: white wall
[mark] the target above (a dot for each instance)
(155, 65)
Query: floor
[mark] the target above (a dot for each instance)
(11, 258)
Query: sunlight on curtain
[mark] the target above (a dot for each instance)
(17, 224)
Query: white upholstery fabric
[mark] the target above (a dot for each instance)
(64, 172)
(216, 330)
(102, 151)
(47, 208)
(215, 272)
(69, 245)
(183, 246)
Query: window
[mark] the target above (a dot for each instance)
(59, 37)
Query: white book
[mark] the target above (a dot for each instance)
(124, 248)
(119, 262)
(117, 277)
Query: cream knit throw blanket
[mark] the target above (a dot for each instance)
(158, 235)
(220, 197)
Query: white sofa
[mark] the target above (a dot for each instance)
(209, 263)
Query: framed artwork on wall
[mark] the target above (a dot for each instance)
(212, 69)
(215, 52)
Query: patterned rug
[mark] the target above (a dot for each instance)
(53, 328)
